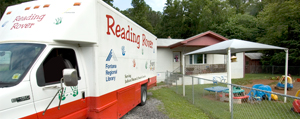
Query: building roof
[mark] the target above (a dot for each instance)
(203, 39)
(166, 42)
(254, 56)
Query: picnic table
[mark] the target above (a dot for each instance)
(216, 89)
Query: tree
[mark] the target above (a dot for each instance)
(239, 5)
(109, 2)
(154, 18)
(172, 21)
(139, 14)
(5, 3)
(214, 13)
(280, 26)
(186, 18)
(239, 26)
(255, 7)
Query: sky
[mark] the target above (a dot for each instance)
(156, 5)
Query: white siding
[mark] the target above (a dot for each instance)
(164, 62)
(215, 59)
(237, 68)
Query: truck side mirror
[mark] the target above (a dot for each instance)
(70, 77)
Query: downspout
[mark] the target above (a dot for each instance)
(183, 71)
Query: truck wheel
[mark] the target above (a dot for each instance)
(143, 95)
(289, 88)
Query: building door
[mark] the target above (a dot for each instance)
(176, 61)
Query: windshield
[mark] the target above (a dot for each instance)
(15, 60)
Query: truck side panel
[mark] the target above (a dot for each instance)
(126, 53)
(125, 60)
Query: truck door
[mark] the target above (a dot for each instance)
(46, 81)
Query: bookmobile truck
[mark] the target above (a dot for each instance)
(73, 59)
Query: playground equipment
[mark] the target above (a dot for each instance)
(222, 79)
(238, 95)
(217, 89)
(280, 84)
(296, 104)
(259, 95)
(274, 97)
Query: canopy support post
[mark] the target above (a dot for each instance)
(229, 78)
(286, 71)
(183, 70)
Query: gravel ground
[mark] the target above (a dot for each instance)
(148, 111)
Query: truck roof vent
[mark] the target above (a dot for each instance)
(27, 8)
(35, 7)
(46, 5)
(77, 4)
(8, 13)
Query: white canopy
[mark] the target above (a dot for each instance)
(235, 46)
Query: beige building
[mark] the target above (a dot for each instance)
(170, 51)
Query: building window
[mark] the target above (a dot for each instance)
(191, 59)
(50, 71)
(198, 59)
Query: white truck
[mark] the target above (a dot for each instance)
(73, 59)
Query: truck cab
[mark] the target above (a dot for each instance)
(31, 76)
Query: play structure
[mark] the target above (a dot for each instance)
(238, 95)
(222, 79)
(259, 95)
(280, 84)
(274, 97)
(296, 104)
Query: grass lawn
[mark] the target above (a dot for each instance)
(249, 77)
(213, 107)
(207, 106)
(176, 106)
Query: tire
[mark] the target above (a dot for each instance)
(143, 95)
(289, 88)
(292, 109)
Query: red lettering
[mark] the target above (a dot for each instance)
(123, 33)
(41, 18)
(31, 24)
(14, 26)
(31, 17)
(26, 25)
(22, 25)
(17, 18)
(118, 30)
(150, 44)
(128, 33)
(18, 26)
(133, 38)
(144, 40)
(110, 26)
(138, 41)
